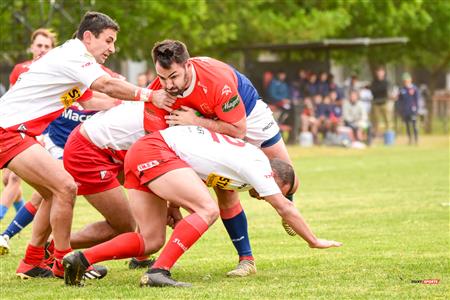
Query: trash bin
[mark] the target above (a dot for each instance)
(389, 137)
(306, 139)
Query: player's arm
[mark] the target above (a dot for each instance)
(237, 130)
(292, 216)
(98, 101)
(188, 116)
(120, 89)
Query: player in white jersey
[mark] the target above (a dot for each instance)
(42, 41)
(156, 168)
(54, 82)
(94, 155)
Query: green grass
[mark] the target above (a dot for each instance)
(389, 205)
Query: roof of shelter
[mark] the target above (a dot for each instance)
(328, 44)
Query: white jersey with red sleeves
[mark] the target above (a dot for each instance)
(222, 161)
(117, 128)
(53, 83)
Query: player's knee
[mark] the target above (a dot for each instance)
(154, 244)
(36, 199)
(209, 211)
(68, 188)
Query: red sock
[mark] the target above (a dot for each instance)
(59, 254)
(51, 247)
(142, 258)
(186, 233)
(58, 268)
(30, 208)
(34, 255)
(130, 244)
(246, 258)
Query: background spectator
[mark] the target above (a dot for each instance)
(408, 104)
(354, 115)
(311, 86)
(379, 88)
(279, 92)
(142, 80)
(323, 84)
(298, 85)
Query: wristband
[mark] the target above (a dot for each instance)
(142, 94)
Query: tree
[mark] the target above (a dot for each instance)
(424, 22)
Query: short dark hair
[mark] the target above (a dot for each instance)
(95, 22)
(284, 171)
(168, 52)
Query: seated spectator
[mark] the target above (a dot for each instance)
(279, 92)
(322, 113)
(308, 118)
(336, 111)
(355, 115)
(366, 97)
(311, 86)
(323, 84)
(298, 85)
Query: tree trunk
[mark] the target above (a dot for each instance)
(430, 103)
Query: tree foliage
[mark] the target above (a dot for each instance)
(212, 27)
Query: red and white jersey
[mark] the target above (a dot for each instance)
(19, 69)
(222, 161)
(53, 83)
(117, 128)
(213, 92)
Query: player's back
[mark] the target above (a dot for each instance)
(116, 128)
(210, 153)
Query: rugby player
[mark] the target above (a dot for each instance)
(167, 166)
(54, 82)
(42, 41)
(230, 105)
(54, 139)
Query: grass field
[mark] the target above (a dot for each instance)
(389, 205)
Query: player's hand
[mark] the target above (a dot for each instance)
(183, 116)
(173, 216)
(323, 244)
(162, 99)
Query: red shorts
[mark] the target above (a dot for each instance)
(93, 169)
(13, 143)
(147, 159)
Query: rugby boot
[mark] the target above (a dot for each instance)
(4, 244)
(27, 271)
(140, 264)
(161, 278)
(95, 272)
(244, 268)
(75, 265)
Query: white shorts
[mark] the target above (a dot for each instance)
(262, 129)
(55, 151)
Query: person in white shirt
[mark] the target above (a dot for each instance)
(53, 83)
(355, 115)
(169, 165)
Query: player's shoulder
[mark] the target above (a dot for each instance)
(72, 50)
(206, 63)
(213, 72)
(23, 65)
